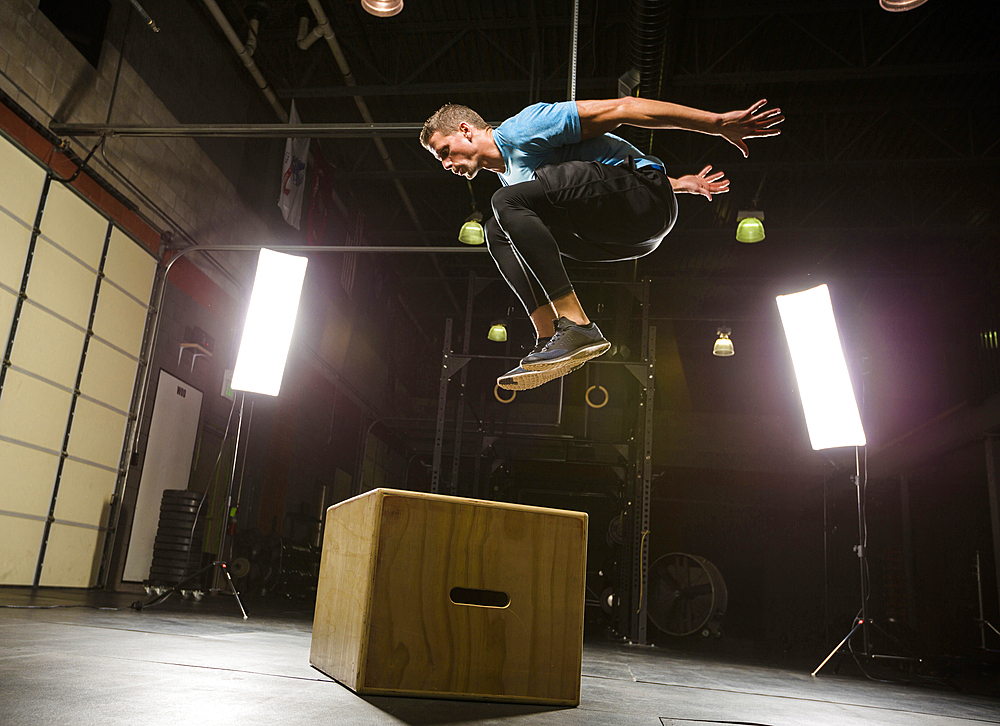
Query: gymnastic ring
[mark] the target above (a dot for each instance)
(496, 395)
(603, 403)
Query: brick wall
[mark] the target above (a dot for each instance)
(43, 73)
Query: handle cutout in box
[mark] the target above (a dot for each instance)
(479, 598)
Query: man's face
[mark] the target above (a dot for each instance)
(457, 152)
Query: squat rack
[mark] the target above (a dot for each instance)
(632, 587)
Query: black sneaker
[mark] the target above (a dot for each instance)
(521, 380)
(570, 346)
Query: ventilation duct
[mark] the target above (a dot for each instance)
(648, 23)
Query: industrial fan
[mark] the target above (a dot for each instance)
(686, 595)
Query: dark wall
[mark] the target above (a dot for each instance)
(765, 535)
(789, 561)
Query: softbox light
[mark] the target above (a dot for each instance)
(831, 410)
(267, 333)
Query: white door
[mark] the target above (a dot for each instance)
(167, 465)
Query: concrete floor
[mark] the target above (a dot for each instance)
(185, 662)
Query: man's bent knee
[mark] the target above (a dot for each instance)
(494, 235)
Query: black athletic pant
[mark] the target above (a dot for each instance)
(578, 209)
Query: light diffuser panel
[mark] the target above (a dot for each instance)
(267, 333)
(828, 401)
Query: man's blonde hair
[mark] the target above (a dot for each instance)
(446, 120)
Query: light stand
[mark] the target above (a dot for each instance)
(163, 594)
(863, 621)
(260, 366)
(224, 514)
(831, 411)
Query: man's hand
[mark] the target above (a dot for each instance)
(748, 124)
(701, 183)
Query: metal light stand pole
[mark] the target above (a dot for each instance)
(862, 621)
(224, 515)
(219, 562)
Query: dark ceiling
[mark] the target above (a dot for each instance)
(883, 183)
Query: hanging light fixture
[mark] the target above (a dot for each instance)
(750, 222)
(723, 346)
(382, 8)
(472, 232)
(498, 331)
(899, 6)
(750, 226)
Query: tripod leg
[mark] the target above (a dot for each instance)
(137, 605)
(232, 585)
(839, 646)
(894, 639)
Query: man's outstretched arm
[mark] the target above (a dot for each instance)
(601, 117)
(702, 183)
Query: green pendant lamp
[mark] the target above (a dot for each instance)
(498, 332)
(750, 227)
(472, 232)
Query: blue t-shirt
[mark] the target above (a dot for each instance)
(549, 133)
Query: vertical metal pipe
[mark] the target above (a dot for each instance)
(862, 563)
(460, 408)
(826, 561)
(908, 569)
(227, 502)
(442, 407)
(574, 47)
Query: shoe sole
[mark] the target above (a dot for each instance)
(531, 379)
(577, 357)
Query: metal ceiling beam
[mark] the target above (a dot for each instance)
(739, 168)
(608, 17)
(747, 9)
(942, 231)
(824, 75)
(424, 89)
(278, 131)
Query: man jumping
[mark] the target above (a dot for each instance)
(574, 189)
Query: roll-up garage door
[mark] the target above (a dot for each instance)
(74, 296)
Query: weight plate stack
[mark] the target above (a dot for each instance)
(177, 547)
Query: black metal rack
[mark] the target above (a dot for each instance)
(631, 591)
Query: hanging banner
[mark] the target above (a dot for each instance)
(293, 175)
(320, 199)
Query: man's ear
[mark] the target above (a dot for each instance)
(466, 129)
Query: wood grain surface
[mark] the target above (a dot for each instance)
(340, 621)
(420, 642)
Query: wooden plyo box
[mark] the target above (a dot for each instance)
(443, 597)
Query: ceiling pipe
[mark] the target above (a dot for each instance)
(245, 55)
(306, 37)
(258, 131)
(256, 12)
(251, 44)
(323, 25)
